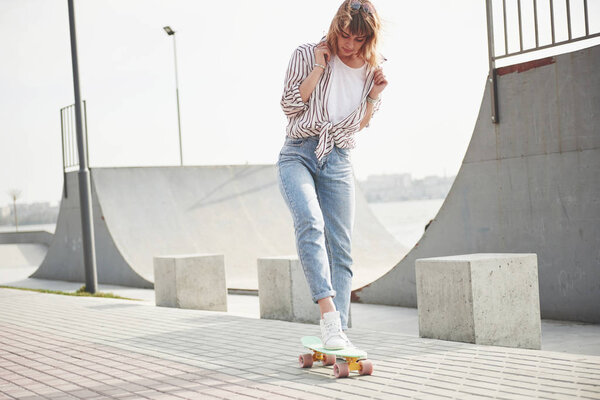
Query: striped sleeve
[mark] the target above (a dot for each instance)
(298, 70)
(377, 104)
(375, 109)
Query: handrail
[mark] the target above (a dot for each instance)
(69, 139)
(536, 5)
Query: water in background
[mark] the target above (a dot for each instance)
(406, 220)
(24, 228)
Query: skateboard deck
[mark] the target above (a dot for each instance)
(354, 359)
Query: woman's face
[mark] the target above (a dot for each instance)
(348, 44)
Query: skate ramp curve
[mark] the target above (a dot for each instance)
(528, 184)
(237, 211)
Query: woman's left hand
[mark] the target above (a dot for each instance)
(379, 83)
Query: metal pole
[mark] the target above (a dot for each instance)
(552, 21)
(62, 134)
(587, 22)
(15, 210)
(492, 62)
(85, 190)
(568, 4)
(535, 18)
(520, 26)
(69, 135)
(177, 93)
(87, 148)
(505, 34)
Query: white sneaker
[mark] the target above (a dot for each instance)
(349, 344)
(331, 332)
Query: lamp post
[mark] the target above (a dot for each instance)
(85, 188)
(171, 32)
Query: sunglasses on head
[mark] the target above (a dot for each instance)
(357, 5)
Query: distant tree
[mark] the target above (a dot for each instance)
(14, 194)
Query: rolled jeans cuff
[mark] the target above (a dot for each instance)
(322, 295)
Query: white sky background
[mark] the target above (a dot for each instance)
(232, 57)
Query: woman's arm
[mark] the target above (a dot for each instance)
(367, 117)
(379, 83)
(291, 100)
(322, 55)
(302, 77)
(310, 83)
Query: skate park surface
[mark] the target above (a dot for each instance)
(546, 187)
(237, 211)
(557, 336)
(55, 346)
(528, 185)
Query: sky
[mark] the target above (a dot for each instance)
(232, 56)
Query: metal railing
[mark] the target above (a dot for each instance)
(535, 27)
(69, 140)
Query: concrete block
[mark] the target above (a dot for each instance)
(191, 281)
(489, 299)
(283, 291)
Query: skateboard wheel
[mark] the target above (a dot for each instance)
(305, 360)
(341, 370)
(366, 367)
(328, 359)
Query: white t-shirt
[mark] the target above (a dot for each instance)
(347, 85)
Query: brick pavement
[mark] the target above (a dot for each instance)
(59, 347)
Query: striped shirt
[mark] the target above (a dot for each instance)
(311, 118)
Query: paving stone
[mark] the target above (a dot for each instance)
(123, 352)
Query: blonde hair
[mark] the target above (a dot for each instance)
(360, 22)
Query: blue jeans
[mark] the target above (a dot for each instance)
(320, 196)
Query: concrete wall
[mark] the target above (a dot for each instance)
(36, 237)
(232, 210)
(64, 260)
(529, 184)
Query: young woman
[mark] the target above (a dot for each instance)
(331, 91)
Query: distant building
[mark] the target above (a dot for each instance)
(5, 212)
(30, 214)
(381, 188)
(401, 187)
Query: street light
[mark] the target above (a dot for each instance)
(84, 178)
(171, 32)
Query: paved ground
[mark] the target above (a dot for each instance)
(560, 336)
(55, 346)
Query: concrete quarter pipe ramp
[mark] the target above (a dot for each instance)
(528, 184)
(232, 210)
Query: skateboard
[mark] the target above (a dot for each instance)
(355, 359)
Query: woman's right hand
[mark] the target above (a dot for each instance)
(322, 53)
